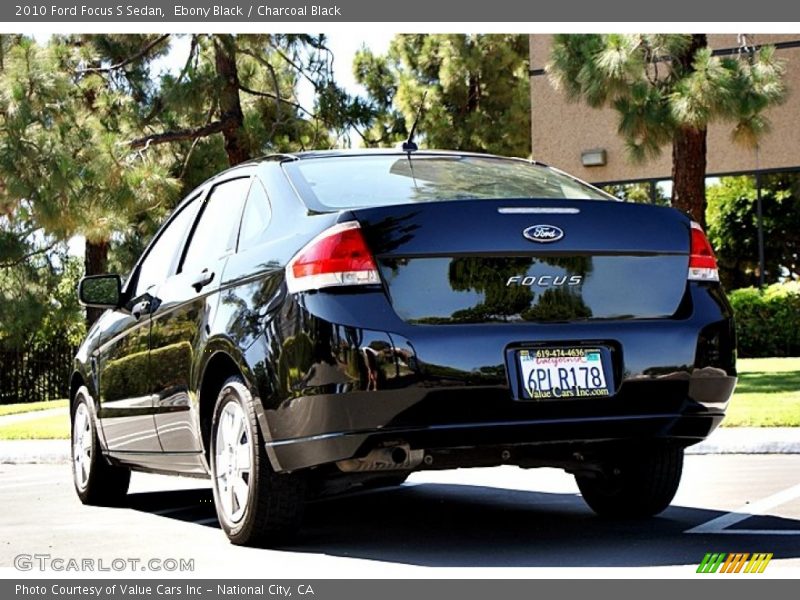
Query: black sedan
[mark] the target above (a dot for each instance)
(307, 323)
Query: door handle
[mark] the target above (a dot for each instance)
(202, 279)
(140, 308)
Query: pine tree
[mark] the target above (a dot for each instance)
(94, 143)
(244, 87)
(61, 160)
(235, 98)
(473, 89)
(667, 89)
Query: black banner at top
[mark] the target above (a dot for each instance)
(436, 11)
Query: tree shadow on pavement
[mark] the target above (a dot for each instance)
(447, 525)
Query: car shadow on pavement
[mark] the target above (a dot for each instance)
(448, 525)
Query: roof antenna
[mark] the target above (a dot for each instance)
(409, 145)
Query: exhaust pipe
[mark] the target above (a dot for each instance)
(399, 457)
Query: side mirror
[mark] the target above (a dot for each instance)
(100, 291)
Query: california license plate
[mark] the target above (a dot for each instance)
(562, 373)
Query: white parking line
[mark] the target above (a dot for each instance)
(207, 521)
(758, 508)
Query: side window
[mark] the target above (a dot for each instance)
(214, 235)
(256, 218)
(163, 254)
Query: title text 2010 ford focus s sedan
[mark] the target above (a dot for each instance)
(306, 323)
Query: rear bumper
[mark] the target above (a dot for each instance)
(533, 436)
(327, 428)
(447, 387)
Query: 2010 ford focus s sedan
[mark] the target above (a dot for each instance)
(306, 323)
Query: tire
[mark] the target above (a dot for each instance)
(255, 506)
(638, 483)
(97, 482)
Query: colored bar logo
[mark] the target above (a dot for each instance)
(735, 562)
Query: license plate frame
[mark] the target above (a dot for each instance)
(562, 372)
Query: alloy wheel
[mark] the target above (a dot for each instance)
(82, 446)
(233, 462)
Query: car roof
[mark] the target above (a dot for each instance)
(378, 151)
(339, 153)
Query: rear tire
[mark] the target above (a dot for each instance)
(96, 481)
(640, 482)
(255, 506)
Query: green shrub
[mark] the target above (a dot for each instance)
(768, 320)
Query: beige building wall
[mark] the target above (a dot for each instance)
(561, 130)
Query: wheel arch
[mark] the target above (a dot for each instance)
(220, 366)
(222, 363)
(77, 382)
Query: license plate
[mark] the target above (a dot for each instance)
(562, 373)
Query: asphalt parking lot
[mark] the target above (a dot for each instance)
(479, 520)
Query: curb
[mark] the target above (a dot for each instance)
(750, 440)
(34, 452)
(729, 440)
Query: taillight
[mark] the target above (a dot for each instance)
(702, 263)
(337, 257)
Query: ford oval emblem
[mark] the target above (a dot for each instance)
(544, 234)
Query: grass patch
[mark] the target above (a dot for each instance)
(23, 407)
(767, 395)
(52, 427)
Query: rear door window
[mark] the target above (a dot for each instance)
(214, 235)
(256, 218)
(162, 257)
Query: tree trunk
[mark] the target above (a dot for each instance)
(689, 151)
(95, 263)
(689, 172)
(237, 144)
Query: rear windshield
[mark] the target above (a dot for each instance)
(356, 181)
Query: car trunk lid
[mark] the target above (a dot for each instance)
(529, 261)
